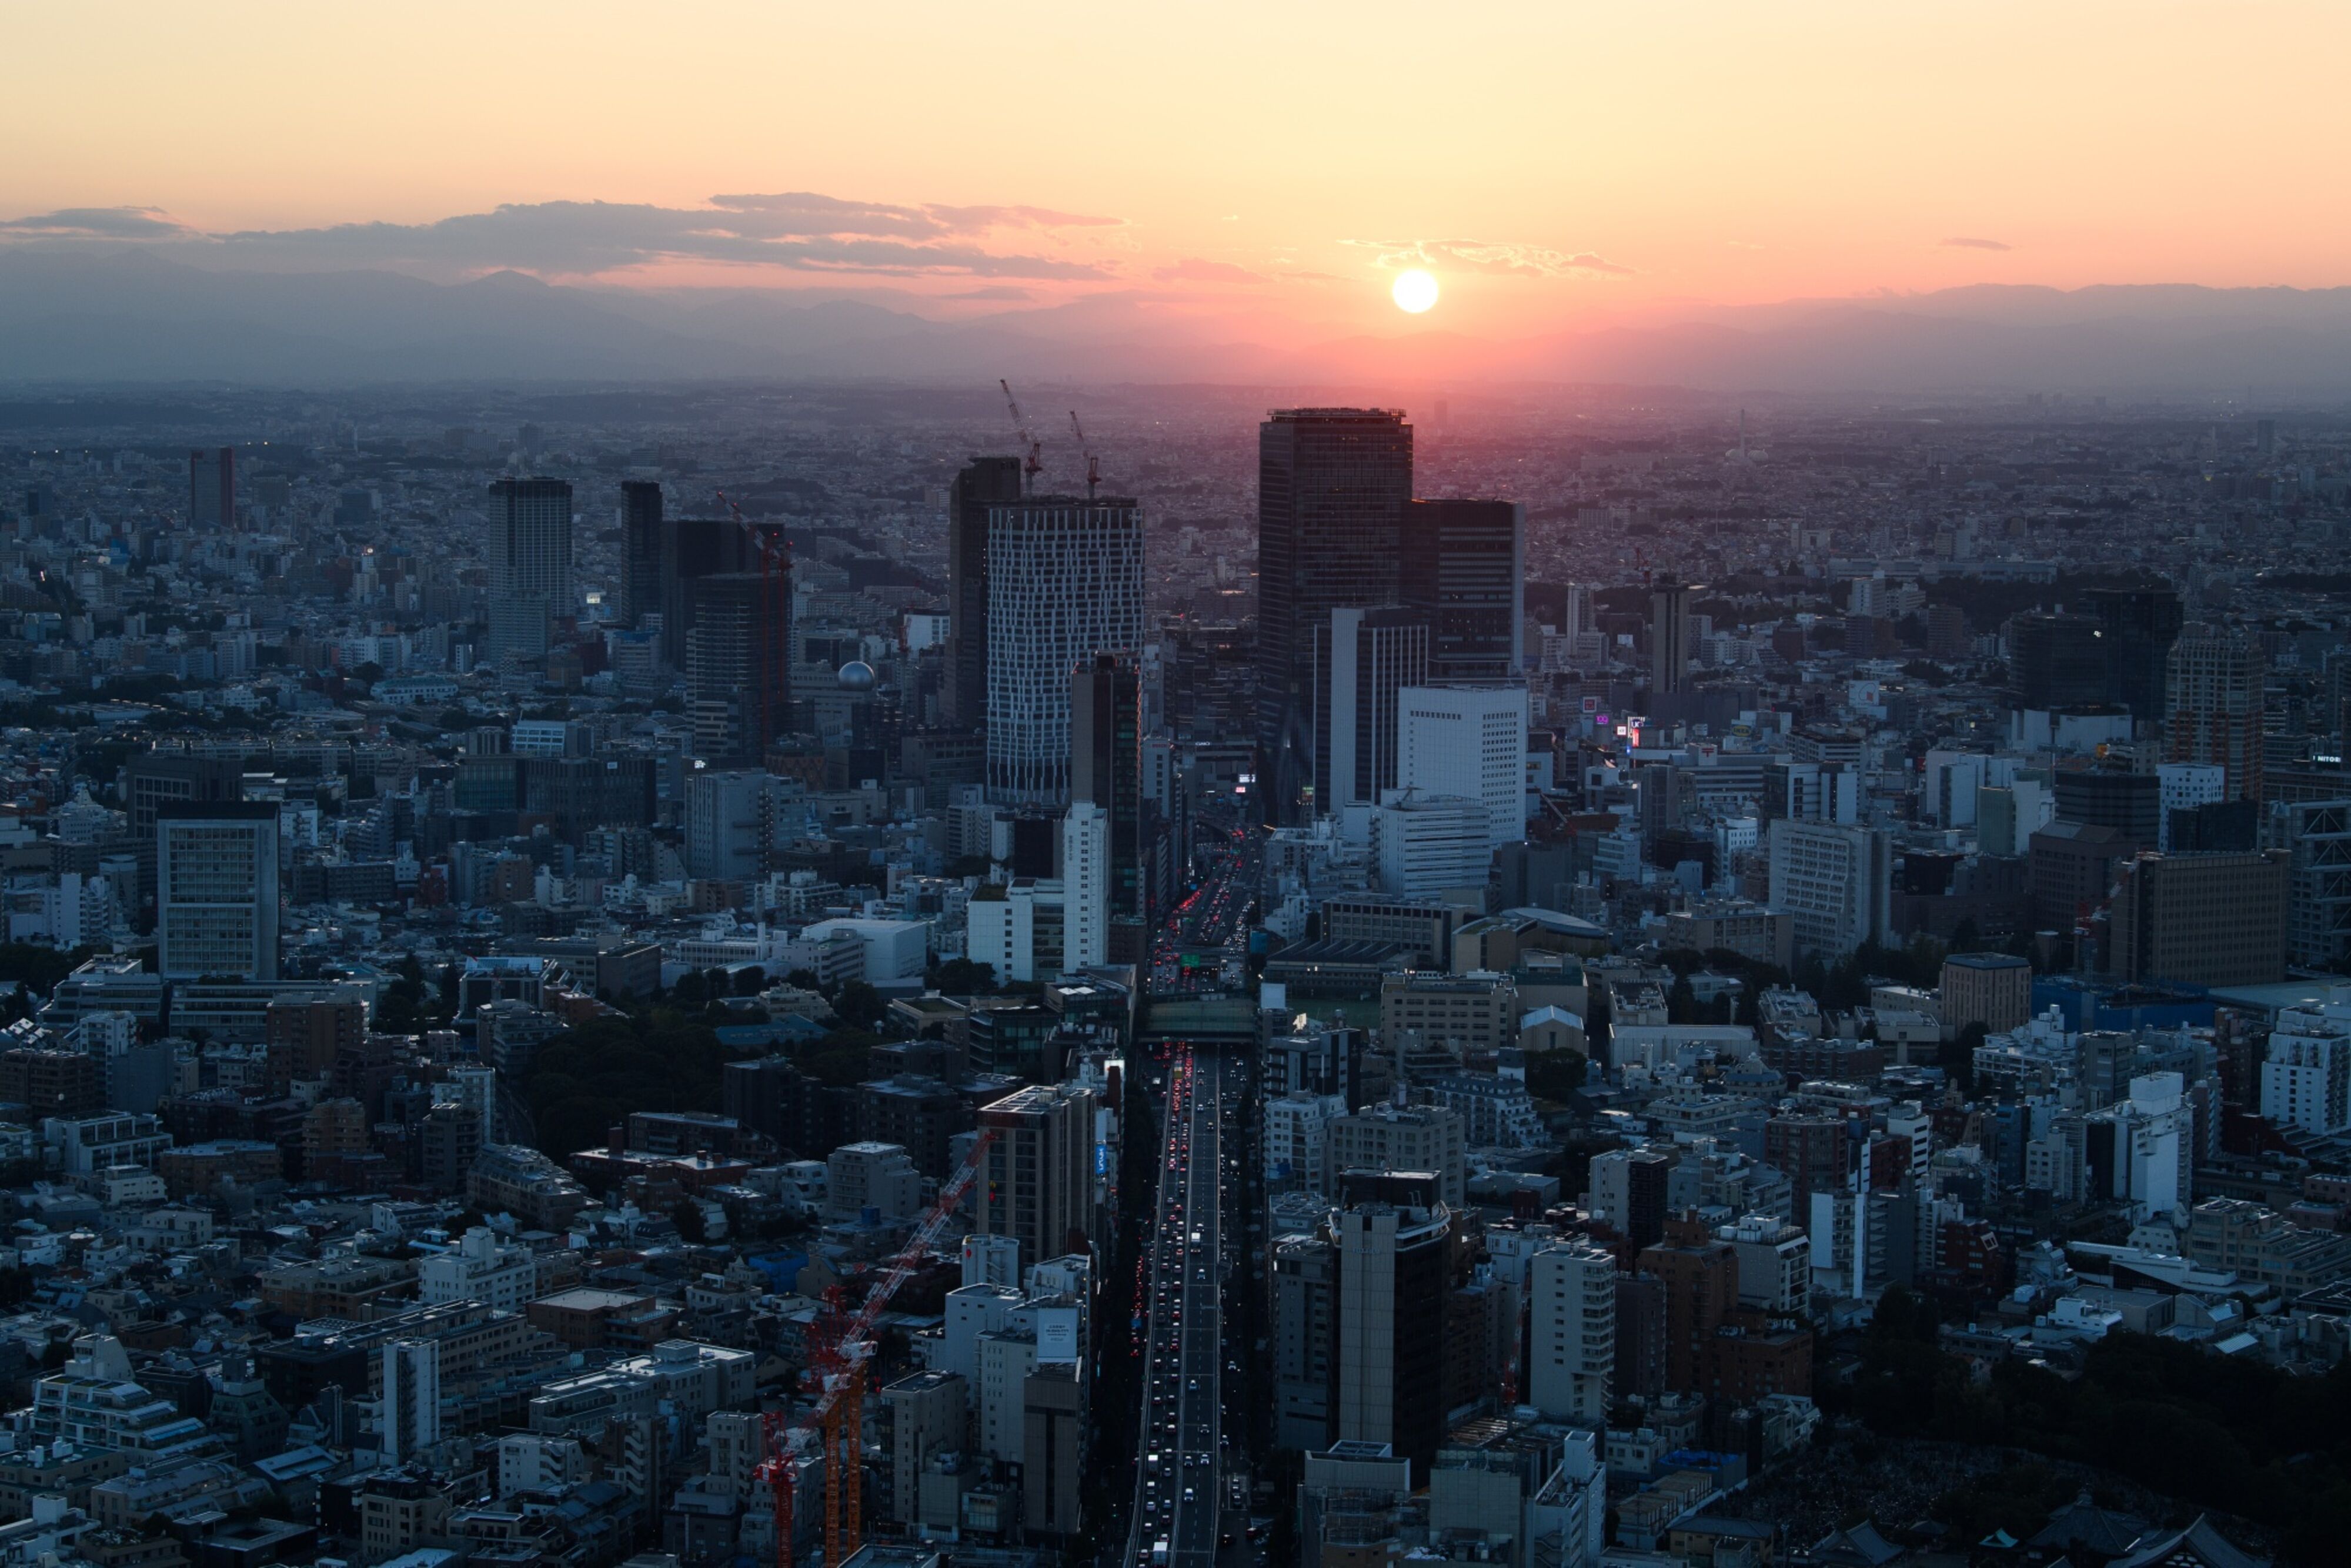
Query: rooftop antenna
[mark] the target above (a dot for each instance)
(1036, 458)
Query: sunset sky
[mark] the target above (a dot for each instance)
(1554, 165)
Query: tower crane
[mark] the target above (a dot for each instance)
(1094, 463)
(1035, 461)
(837, 1357)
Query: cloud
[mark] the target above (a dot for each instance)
(793, 231)
(1487, 256)
(1194, 269)
(98, 223)
(1962, 243)
(994, 291)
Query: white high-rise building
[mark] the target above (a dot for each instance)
(2183, 787)
(1085, 886)
(1837, 882)
(1064, 583)
(991, 1260)
(1572, 1358)
(1470, 742)
(2306, 1079)
(410, 1410)
(216, 890)
(1428, 843)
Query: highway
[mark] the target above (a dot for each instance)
(1178, 1486)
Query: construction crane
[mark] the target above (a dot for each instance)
(775, 552)
(1094, 463)
(840, 1347)
(1035, 461)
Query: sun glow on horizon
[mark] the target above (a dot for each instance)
(1414, 291)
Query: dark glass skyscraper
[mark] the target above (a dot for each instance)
(2055, 663)
(736, 683)
(2138, 626)
(1464, 568)
(531, 565)
(640, 551)
(693, 548)
(211, 487)
(985, 482)
(1331, 489)
(1106, 768)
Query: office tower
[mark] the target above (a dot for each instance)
(738, 626)
(2213, 706)
(1470, 742)
(2137, 627)
(2317, 837)
(640, 551)
(211, 487)
(2182, 787)
(984, 483)
(1064, 585)
(1430, 843)
(412, 1398)
(693, 548)
(2055, 663)
(1086, 879)
(2201, 920)
(216, 890)
(531, 565)
(1389, 1373)
(1363, 659)
(1037, 1180)
(1572, 1363)
(1581, 616)
(1837, 882)
(1106, 770)
(1669, 639)
(1331, 489)
(1463, 567)
(2111, 797)
(1305, 1334)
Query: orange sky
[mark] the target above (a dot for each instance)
(1721, 153)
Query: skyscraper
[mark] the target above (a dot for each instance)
(1363, 659)
(216, 890)
(640, 551)
(2137, 626)
(531, 565)
(693, 548)
(1470, 742)
(2055, 663)
(984, 483)
(1331, 489)
(1087, 884)
(1064, 584)
(2213, 706)
(1464, 568)
(1389, 1373)
(1106, 768)
(735, 682)
(211, 487)
(1669, 638)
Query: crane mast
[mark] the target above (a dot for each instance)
(1035, 461)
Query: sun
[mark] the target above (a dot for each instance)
(1414, 291)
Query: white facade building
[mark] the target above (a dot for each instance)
(1085, 886)
(2306, 1079)
(216, 890)
(479, 1269)
(1064, 583)
(1470, 742)
(1837, 882)
(1425, 844)
(2183, 787)
(1572, 1358)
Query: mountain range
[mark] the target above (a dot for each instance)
(134, 316)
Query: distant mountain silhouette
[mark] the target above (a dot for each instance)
(134, 316)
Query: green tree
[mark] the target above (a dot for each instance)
(860, 1006)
